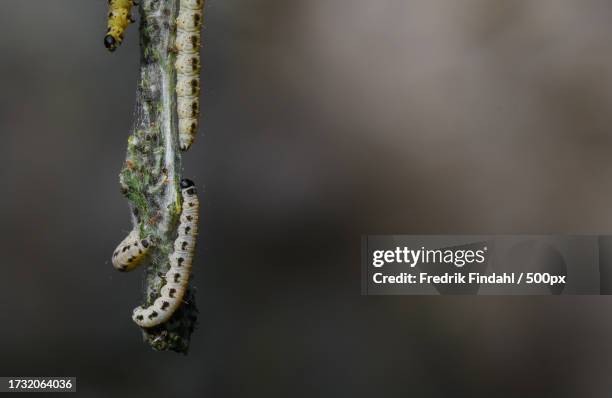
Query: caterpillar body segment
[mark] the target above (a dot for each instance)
(184, 245)
(187, 65)
(192, 4)
(170, 289)
(181, 259)
(187, 44)
(188, 128)
(188, 86)
(119, 17)
(177, 277)
(188, 107)
(130, 252)
(189, 19)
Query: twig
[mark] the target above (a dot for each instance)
(150, 176)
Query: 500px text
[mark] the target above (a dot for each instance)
(508, 278)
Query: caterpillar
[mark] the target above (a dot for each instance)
(119, 17)
(187, 44)
(130, 252)
(177, 278)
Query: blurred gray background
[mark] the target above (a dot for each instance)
(323, 120)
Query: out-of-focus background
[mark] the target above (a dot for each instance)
(323, 120)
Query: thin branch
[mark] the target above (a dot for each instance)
(151, 173)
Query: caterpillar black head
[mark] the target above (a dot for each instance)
(186, 183)
(119, 17)
(188, 188)
(110, 43)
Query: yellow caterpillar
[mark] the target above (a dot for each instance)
(119, 17)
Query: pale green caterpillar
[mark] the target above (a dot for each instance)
(188, 26)
(177, 278)
(130, 252)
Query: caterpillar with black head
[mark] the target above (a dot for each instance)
(119, 17)
(187, 44)
(177, 278)
(130, 252)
